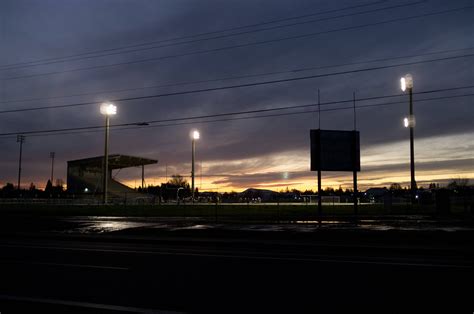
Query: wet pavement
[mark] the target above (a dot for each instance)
(104, 224)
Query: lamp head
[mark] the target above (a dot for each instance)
(108, 109)
(406, 82)
(195, 135)
(409, 121)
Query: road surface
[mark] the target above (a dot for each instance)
(234, 271)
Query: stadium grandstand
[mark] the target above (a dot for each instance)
(84, 176)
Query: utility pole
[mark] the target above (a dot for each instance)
(354, 154)
(20, 139)
(192, 168)
(143, 177)
(320, 203)
(406, 82)
(52, 155)
(194, 136)
(105, 173)
(412, 149)
(107, 109)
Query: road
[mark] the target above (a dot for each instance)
(223, 271)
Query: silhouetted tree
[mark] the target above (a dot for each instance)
(49, 188)
(458, 184)
(8, 190)
(177, 180)
(170, 188)
(395, 187)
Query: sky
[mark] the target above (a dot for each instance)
(269, 152)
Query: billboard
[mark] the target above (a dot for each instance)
(335, 150)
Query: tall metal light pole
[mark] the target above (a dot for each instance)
(20, 139)
(194, 137)
(107, 109)
(406, 82)
(52, 155)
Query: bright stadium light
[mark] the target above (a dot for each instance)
(108, 109)
(406, 123)
(195, 135)
(406, 82)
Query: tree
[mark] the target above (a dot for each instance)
(8, 190)
(178, 181)
(395, 187)
(459, 183)
(59, 184)
(49, 187)
(8, 187)
(170, 188)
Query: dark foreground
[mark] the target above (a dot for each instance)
(218, 270)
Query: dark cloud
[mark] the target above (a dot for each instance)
(44, 29)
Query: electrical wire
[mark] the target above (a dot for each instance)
(216, 37)
(236, 77)
(197, 34)
(138, 125)
(237, 46)
(237, 86)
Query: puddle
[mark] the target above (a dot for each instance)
(91, 224)
(106, 226)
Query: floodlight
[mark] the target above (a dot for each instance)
(108, 109)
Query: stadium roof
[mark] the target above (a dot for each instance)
(115, 161)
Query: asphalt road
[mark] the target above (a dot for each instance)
(235, 272)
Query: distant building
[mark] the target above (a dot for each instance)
(258, 195)
(375, 194)
(85, 175)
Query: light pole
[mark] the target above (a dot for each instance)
(194, 137)
(177, 195)
(107, 109)
(20, 139)
(52, 155)
(406, 82)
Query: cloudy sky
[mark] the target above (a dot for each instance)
(57, 52)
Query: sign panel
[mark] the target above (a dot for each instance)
(335, 150)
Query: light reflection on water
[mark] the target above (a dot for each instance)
(112, 224)
(107, 226)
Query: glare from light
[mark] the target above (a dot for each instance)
(406, 122)
(108, 109)
(409, 121)
(86, 190)
(406, 82)
(195, 135)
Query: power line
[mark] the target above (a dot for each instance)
(237, 86)
(235, 77)
(136, 125)
(198, 34)
(215, 37)
(237, 46)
